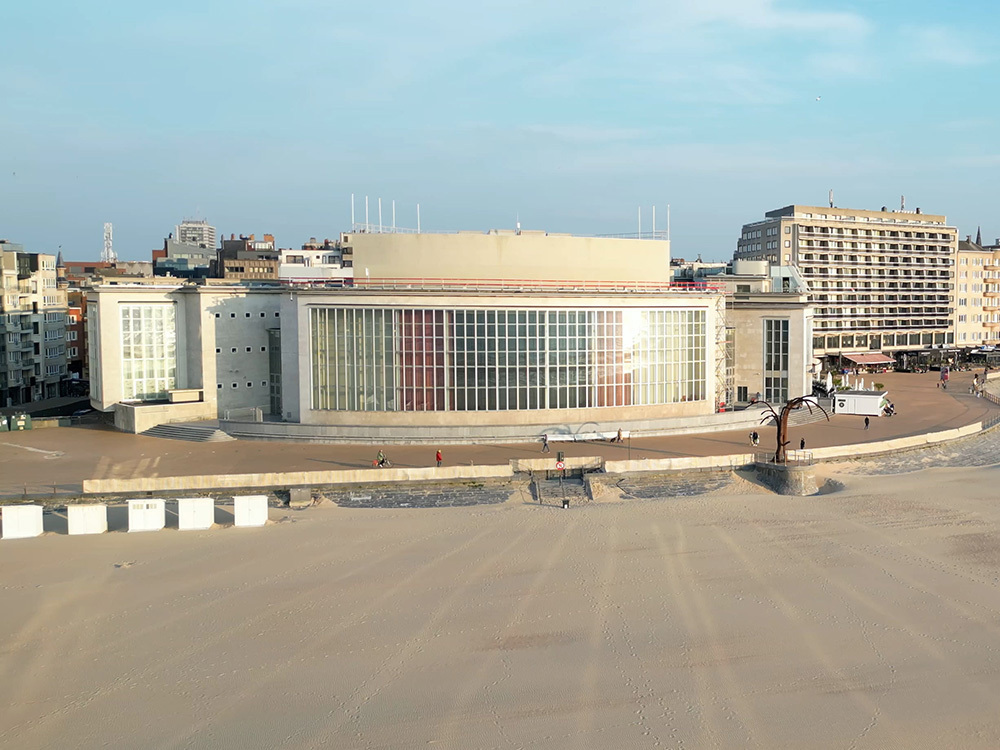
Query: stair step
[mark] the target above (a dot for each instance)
(191, 433)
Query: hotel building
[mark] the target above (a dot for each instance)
(882, 282)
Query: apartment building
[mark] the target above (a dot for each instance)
(973, 309)
(197, 232)
(32, 326)
(882, 282)
(315, 261)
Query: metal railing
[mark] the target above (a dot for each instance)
(792, 458)
(518, 285)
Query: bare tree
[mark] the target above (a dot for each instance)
(781, 421)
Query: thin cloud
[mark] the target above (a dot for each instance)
(943, 44)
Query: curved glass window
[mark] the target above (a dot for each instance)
(380, 359)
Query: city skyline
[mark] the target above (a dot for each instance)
(266, 120)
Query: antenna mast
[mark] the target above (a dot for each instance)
(108, 256)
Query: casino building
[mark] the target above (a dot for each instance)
(499, 336)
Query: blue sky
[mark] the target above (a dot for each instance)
(266, 116)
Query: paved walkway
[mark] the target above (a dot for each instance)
(57, 460)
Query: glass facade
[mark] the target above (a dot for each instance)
(149, 351)
(378, 359)
(775, 360)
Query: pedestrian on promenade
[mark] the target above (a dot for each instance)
(619, 438)
(545, 444)
(867, 422)
(754, 438)
(802, 444)
(438, 458)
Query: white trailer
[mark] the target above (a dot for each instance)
(866, 403)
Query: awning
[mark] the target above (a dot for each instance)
(870, 359)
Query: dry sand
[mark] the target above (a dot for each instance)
(868, 618)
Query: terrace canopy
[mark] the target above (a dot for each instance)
(870, 359)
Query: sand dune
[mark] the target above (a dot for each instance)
(864, 618)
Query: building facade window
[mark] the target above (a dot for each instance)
(149, 356)
(371, 359)
(776, 349)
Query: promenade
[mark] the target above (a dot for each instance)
(56, 461)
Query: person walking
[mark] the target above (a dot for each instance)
(802, 444)
(619, 438)
(438, 457)
(545, 444)
(867, 422)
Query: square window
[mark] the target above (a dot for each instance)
(249, 385)
(220, 385)
(232, 315)
(249, 349)
(218, 350)
(236, 385)
(263, 348)
(218, 315)
(234, 350)
(277, 315)
(248, 315)
(262, 315)
(263, 384)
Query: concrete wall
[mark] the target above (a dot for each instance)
(136, 418)
(238, 324)
(536, 256)
(288, 479)
(529, 429)
(746, 314)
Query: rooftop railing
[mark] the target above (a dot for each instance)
(513, 285)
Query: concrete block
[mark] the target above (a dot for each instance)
(195, 513)
(146, 515)
(87, 519)
(300, 497)
(251, 510)
(21, 521)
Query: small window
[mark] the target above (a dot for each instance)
(262, 314)
(248, 315)
(249, 349)
(263, 384)
(220, 385)
(249, 385)
(218, 315)
(277, 315)
(234, 350)
(788, 243)
(263, 348)
(218, 350)
(232, 315)
(236, 385)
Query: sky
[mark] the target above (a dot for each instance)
(267, 116)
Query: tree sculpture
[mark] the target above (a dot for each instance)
(781, 421)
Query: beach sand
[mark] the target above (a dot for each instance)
(867, 618)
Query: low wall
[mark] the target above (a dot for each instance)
(489, 434)
(295, 478)
(136, 418)
(687, 463)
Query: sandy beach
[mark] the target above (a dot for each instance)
(867, 618)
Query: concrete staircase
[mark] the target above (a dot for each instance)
(802, 416)
(553, 492)
(195, 433)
